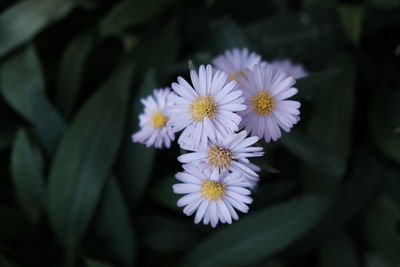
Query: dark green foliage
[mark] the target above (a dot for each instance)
(75, 190)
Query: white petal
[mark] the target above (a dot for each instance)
(189, 198)
(192, 157)
(185, 188)
(200, 211)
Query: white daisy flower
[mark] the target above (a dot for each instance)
(213, 198)
(266, 90)
(235, 61)
(229, 153)
(297, 71)
(206, 110)
(155, 129)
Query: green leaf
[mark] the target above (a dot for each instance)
(48, 123)
(5, 262)
(327, 4)
(84, 158)
(259, 235)
(27, 98)
(314, 153)
(271, 192)
(227, 34)
(381, 229)
(14, 225)
(134, 177)
(265, 165)
(158, 60)
(314, 82)
(95, 263)
(27, 176)
(351, 17)
(268, 263)
(165, 234)
(303, 36)
(384, 120)
(348, 204)
(372, 260)
(25, 19)
(384, 4)
(16, 90)
(130, 13)
(162, 193)
(8, 126)
(339, 251)
(113, 227)
(332, 124)
(71, 72)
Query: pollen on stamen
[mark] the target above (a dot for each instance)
(159, 120)
(202, 107)
(263, 103)
(213, 190)
(219, 157)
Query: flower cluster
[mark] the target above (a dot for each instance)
(222, 113)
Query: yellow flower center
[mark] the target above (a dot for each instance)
(234, 76)
(263, 103)
(203, 106)
(219, 156)
(158, 120)
(213, 190)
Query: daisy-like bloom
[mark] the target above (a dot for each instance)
(266, 90)
(214, 198)
(230, 153)
(297, 71)
(235, 61)
(153, 122)
(205, 110)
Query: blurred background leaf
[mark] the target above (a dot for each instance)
(113, 226)
(259, 235)
(27, 176)
(338, 251)
(84, 158)
(381, 229)
(137, 160)
(22, 21)
(71, 72)
(27, 98)
(352, 17)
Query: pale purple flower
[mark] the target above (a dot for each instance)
(205, 110)
(213, 198)
(155, 129)
(297, 71)
(266, 89)
(235, 61)
(229, 153)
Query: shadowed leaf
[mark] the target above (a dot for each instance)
(113, 226)
(71, 72)
(85, 155)
(339, 251)
(27, 176)
(260, 234)
(22, 21)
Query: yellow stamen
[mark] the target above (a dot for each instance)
(263, 103)
(219, 156)
(158, 120)
(202, 107)
(235, 76)
(213, 190)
